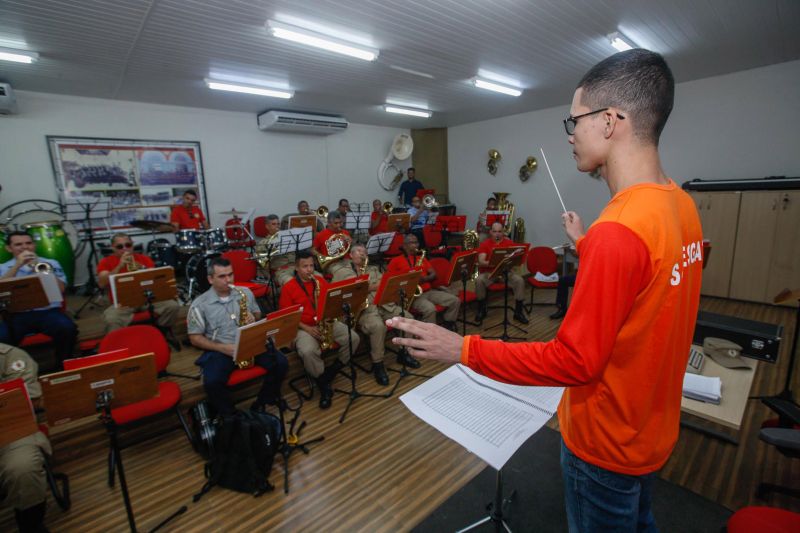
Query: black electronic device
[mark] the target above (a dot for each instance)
(758, 340)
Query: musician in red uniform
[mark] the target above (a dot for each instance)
(120, 261)
(302, 290)
(188, 215)
(378, 219)
(497, 239)
(426, 303)
(335, 223)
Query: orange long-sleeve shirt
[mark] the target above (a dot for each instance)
(622, 348)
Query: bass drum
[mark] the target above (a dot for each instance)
(5, 255)
(52, 242)
(197, 273)
(163, 253)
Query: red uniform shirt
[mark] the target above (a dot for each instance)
(293, 294)
(488, 246)
(109, 263)
(402, 264)
(324, 235)
(187, 219)
(623, 346)
(383, 225)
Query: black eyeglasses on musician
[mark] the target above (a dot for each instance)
(570, 122)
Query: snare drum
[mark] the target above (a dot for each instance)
(52, 243)
(189, 241)
(215, 239)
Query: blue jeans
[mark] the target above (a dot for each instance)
(51, 322)
(601, 500)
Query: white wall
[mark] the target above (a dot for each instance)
(741, 125)
(244, 168)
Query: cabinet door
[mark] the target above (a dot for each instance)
(719, 213)
(758, 217)
(785, 264)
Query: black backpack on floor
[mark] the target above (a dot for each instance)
(244, 449)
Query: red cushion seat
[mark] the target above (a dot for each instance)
(763, 520)
(35, 340)
(240, 376)
(169, 394)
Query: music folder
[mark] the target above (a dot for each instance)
(462, 261)
(351, 291)
(17, 417)
(303, 221)
(129, 289)
(391, 284)
(29, 292)
(280, 326)
(506, 256)
(399, 222)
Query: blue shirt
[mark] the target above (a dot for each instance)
(423, 217)
(408, 190)
(27, 270)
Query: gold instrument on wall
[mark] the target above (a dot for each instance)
(519, 230)
(243, 311)
(470, 240)
(266, 248)
(338, 245)
(494, 161)
(325, 326)
(504, 205)
(527, 170)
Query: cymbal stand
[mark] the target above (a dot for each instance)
(353, 394)
(91, 289)
(403, 370)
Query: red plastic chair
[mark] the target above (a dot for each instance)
(244, 272)
(442, 267)
(260, 227)
(396, 248)
(763, 520)
(541, 259)
(433, 238)
(238, 233)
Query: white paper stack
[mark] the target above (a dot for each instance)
(544, 278)
(702, 388)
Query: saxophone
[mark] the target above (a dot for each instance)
(242, 363)
(325, 326)
(418, 291)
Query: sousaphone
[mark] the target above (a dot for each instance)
(401, 149)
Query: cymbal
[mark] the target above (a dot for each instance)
(152, 225)
(785, 295)
(232, 212)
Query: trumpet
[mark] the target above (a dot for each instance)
(42, 268)
(387, 207)
(131, 265)
(429, 201)
(322, 212)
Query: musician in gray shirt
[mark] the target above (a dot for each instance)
(213, 319)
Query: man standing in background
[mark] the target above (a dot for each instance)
(409, 188)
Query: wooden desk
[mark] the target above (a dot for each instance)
(736, 384)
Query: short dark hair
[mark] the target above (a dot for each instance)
(640, 83)
(217, 262)
(120, 235)
(301, 202)
(17, 233)
(411, 168)
(272, 217)
(492, 199)
(303, 254)
(190, 192)
(344, 200)
(334, 215)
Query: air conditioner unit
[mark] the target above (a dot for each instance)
(275, 120)
(8, 102)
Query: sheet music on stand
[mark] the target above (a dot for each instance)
(294, 239)
(488, 418)
(379, 243)
(357, 221)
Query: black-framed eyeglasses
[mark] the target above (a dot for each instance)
(570, 122)
(125, 245)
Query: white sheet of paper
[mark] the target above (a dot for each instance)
(50, 284)
(488, 418)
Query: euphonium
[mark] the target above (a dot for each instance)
(242, 363)
(325, 326)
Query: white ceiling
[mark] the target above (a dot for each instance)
(160, 51)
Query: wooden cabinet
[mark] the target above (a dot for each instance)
(719, 215)
(755, 243)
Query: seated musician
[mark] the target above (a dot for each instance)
(430, 298)
(344, 207)
(49, 320)
(302, 209)
(304, 289)
(123, 259)
(213, 319)
(378, 219)
(23, 485)
(372, 320)
(483, 224)
(335, 227)
(497, 238)
(187, 215)
(419, 217)
(282, 265)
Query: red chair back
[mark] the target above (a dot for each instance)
(542, 259)
(260, 226)
(244, 270)
(442, 268)
(433, 237)
(138, 340)
(396, 247)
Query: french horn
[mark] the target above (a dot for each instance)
(527, 170)
(494, 161)
(338, 246)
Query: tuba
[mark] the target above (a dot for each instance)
(504, 205)
(338, 246)
(242, 363)
(326, 326)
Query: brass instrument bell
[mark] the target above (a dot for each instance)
(429, 201)
(387, 207)
(494, 161)
(526, 170)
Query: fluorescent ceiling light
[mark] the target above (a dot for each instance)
(496, 87)
(248, 89)
(319, 40)
(424, 113)
(19, 56)
(620, 42)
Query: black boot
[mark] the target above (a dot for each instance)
(405, 359)
(379, 371)
(325, 392)
(519, 312)
(330, 373)
(482, 311)
(31, 520)
(560, 312)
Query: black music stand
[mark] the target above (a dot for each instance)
(447, 224)
(508, 261)
(91, 388)
(273, 288)
(357, 223)
(462, 265)
(88, 211)
(378, 244)
(394, 288)
(346, 298)
(496, 508)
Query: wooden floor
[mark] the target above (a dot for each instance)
(382, 470)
